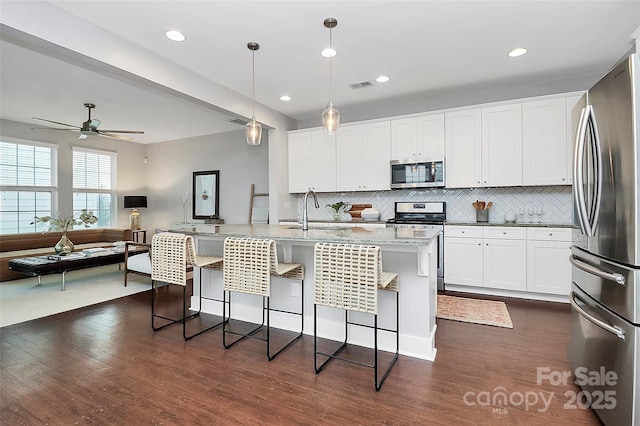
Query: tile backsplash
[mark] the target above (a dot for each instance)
(555, 201)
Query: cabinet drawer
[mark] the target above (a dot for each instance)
(549, 234)
(504, 232)
(463, 231)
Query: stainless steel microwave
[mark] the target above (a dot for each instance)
(420, 174)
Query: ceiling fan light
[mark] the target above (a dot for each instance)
(254, 132)
(330, 120)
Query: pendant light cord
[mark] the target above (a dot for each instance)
(330, 66)
(253, 78)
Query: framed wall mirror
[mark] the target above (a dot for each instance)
(206, 190)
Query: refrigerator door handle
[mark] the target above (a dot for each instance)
(611, 276)
(597, 151)
(587, 127)
(578, 155)
(607, 327)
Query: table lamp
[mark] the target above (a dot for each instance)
(135, 202)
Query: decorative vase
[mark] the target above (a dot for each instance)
(64, 246)
(337, 217)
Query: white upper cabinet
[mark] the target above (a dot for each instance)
(417, 137)
(463, 149)
(545, 142)
(312, 161)
(362, 157)
(502, 145)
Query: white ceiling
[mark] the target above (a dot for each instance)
(427, 48)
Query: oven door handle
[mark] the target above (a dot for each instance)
(603, 325)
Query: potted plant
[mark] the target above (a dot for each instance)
(63, 223)
(337, 209)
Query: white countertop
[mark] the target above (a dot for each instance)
(348, 235)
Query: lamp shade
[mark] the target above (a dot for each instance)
(135, 201)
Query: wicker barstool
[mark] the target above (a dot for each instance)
(348, 277)
(249, 264)
(173, 257)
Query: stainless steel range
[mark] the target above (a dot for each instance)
(413, 218)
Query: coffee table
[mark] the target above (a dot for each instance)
(57, 264)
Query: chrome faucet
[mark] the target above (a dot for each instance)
(305, 216)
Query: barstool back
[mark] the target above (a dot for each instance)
(171, 256)
(248, 263)
(347, 276)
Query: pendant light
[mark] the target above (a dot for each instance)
(254, 129)
(330, 116)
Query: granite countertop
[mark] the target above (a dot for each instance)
(338, 234)
(528, 225)
(337, 223)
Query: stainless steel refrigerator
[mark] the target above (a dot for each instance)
(605, 255)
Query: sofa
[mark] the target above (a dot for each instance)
(13, 246)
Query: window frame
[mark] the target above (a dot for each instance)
(113, 181)
(53, 190)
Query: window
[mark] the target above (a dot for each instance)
(94, 184)
(29, 188)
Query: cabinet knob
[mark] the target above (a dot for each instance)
(562, 178)
(487, 244)
(504, 233)
(463, 232)
(550, 234)
(478, 181)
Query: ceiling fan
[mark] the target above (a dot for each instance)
(89, 127)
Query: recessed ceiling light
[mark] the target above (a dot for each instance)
(382, 79)
(328, 53)
(175, 35)
(285, 98)
(518, 51)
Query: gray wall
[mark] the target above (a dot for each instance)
(170, 168)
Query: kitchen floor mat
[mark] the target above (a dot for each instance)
(486, 312)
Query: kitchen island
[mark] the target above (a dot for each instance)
(413, 257)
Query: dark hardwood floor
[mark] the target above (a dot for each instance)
(103, 365)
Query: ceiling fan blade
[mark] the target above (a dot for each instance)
(46, 129)
(111, 135)
(138, 132)
(55, 122)
(95, 122)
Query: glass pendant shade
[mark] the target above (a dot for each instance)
(254, 132)
(330, 120)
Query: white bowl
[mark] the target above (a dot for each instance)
(370, 214)
(510, 217)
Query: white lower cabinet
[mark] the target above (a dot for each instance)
(463, 261)
(548, 267)
(505, 264)
(533, 260)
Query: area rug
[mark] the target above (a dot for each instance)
(24, 300)
(486, 312)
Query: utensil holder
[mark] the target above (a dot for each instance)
(482, 215)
